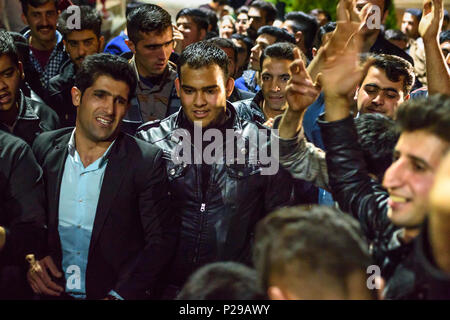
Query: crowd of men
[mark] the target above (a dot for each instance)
(225, 153)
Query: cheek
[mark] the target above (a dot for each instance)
(421, 185)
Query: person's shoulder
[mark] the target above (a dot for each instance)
(156, 130)
(10, 142)
(47, 138)
(141, 151)
(43, 111)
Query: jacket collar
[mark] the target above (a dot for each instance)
(26, 111)
(170, 73)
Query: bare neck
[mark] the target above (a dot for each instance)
(89, 150)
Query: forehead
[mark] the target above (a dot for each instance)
(288, 25)
(49, 6)
(362, 3)
(81, 35)
(5, 62)
(111, 85)
(378, 76)
(155, 37)
(266, 39)
(409, 17)
(185, 20)
(275, 65)
(201, 77)
(255, 12)
(242, 15)
(423, 145)
(445, 45)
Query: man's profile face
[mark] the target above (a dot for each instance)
(274, 79)
(263, 41)
(10, 76)
(83, 43)
(42, 21)
(257, 19)
(101, 108)
(152, 52)
(445, 47)
(410, 25)
(203, 93)
(190, 30)
(408, 180)
(378, 94)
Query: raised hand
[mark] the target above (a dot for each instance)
(300, 91)
(178, 38)
(432, 18)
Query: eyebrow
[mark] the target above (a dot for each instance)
(109, 94)
(184, 86)
(158, 44)
(421, 161)
(377, 86)
(7, 70)
(92, 38)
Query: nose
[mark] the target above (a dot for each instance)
(275, 87)
(448, 59)
(379, 99)
(199, 99)
(81, 50)
(395, 175)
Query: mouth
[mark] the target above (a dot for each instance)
(374, 110)
(200, 114)
(5, 98)
(276, 98)
(396, 202)
(104, 122)
(45, 30)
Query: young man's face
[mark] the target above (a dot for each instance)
(274, 78)
(152, 52)
(203, 93)
(263, 41)
(257, 19)
(378, 94)
(101, 108)
(42, 21)
(242, 23)
(410, 25)
(80, 44)
(409, 179)
(191, 32)
(10, 76)
(445, 47)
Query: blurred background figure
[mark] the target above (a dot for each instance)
(227, 27)
(321, 16)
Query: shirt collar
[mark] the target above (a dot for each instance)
(72, 149)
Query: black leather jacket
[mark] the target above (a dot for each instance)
(249, 109)
(33, 119)
(366, 200)
(218, 215)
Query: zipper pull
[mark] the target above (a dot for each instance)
(203, 207)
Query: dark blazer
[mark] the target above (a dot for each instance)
(134, 233)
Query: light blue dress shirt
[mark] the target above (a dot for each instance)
(79, 194)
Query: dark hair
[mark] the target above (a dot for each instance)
(203, 54)
(377, 136)
(224, 43)
(7, 47)
(35, 4)
(387, 4)
(323, 30)
(22, 47)
(131, 6)
(309, 239)
(281, 50)
(248, 42)
(321, 11)
(147, 18)
(213, 20)
(444, 36)
(307, 25)
(241, 9)
(431, 114)
(222, 281)
(104, 64)
(415, 12)
(199, 17)
(394, 34)
(280, 35)
(394, 67)
(90, 20)
(268, 8)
